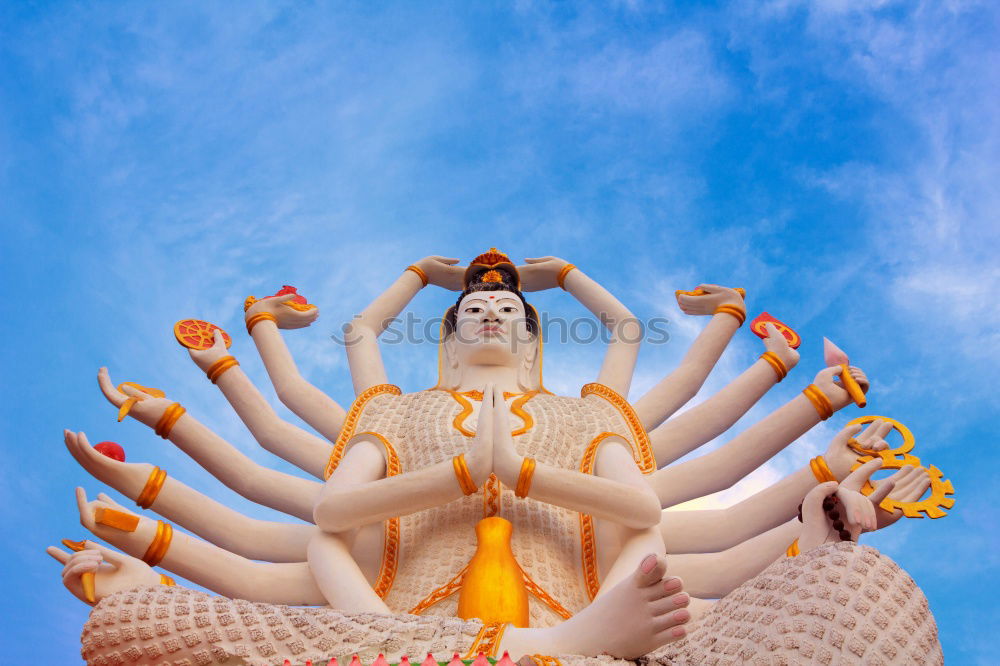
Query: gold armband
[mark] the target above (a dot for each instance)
(168, 419)
(216, 369)
(561, 278)
(119, 520)
(735, 310)
(465, 481)
(149, 492)
(524, 478)
(487, 641)
(159, 545)
(259, 317)
(420, 273)
(166, 580)
(821, 470)
(819, 400)
(775, 362)
(793, 549)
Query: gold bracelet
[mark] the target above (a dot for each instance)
(166, 580)
(420, 273)
(465, 481)
(793, 549)
(159, 545)
(220, 366)
(259, 317)
(119, 520)
(152, 488)
(524, 478)
(775, 362)
(821, 470)
(735, 310)
(561, 278)
(819, 400)
(168, 419)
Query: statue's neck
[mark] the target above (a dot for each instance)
(476, 377)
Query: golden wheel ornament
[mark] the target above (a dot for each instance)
(198, 335)
(297, 302)
(933, 505)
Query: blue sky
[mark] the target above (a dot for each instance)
(837, 159)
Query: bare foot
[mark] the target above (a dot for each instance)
(633, 618)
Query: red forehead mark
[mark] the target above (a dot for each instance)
(492, 297)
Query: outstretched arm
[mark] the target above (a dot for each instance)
(682, 384)
(361, 334)
(175, 501)
(303, 449)
(283, 492)
(686, 432)
(717, 530)
(207, 565)
(726, 465)
(294, 391)
(625, 329)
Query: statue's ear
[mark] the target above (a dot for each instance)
(450, 374)
(527, 371)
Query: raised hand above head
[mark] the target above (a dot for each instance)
(284, 316)
(909, 485)
(115, 572)
(541, 273)
(441, 272)
(706, 303)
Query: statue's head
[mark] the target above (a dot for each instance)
(491, 324)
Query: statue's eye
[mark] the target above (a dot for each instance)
(474, 309)
(509, 309)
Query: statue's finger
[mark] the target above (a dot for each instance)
(857, 478)
(114, 396)
(882, 490)
(110, 556)
(58, 554)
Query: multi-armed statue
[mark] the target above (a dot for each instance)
(487, 514)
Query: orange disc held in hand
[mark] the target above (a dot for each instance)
(757, 326)
(198, 335)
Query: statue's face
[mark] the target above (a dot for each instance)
(491, 328)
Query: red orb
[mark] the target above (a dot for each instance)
(111, 450)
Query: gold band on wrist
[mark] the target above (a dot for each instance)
(775, 362)
(465, 481)
(259, 317)
(524, 478)
(152, 488)
(168, 419)
(735, 310)
(793, 549)
(119, 520)
(160, 544)
(166, 580)
(561, 278)
(220, 366)
(819, 400)
(821, 470)
(420, 273)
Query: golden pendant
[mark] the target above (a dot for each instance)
(493, 588)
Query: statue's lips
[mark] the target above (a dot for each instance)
(492, 330)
